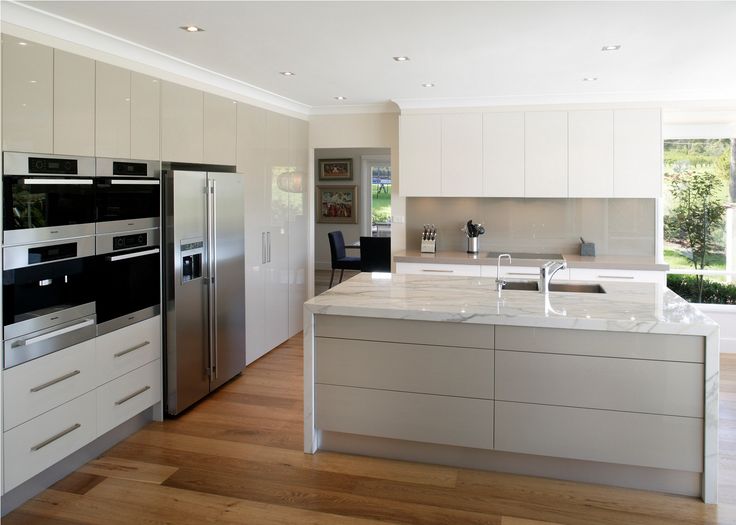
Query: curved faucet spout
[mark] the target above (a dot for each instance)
(546, 272)
(500, 283)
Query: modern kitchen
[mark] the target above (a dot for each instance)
(435, 262)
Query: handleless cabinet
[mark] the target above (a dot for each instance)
(74, 104)
(420, 158)
(591, 153)
(545, 154)
(298, 219)
(462, 155)
(219, 130)
(503, 154)
(27, 96)
(637, 138)
(182, 123)
(112, 113)
(145, 125)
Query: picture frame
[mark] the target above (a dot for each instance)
(337, 204)
(335, 169)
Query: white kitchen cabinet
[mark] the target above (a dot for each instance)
(590, 136)
(503, 154)
(298, 221)
(182, 123)
(74, 104)
(637, 161)
(219, 130)
(112, 111)
(603, 275)
(545, 154)
(128, 348)
(420, 158)
(432, 269)
(27, 96)
(145, 117)
(462, 155)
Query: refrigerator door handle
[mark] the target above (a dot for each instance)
(210, 277)
(213, 300)
(263, 247)
(268, 234)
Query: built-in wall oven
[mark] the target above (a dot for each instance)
(47, 197)
(48, 297)
(128, 278)
(127, 195)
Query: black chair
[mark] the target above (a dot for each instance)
(375, 254)
(340, 261)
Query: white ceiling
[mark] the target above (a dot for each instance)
(536, 52)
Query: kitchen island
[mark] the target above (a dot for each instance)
(617, 388)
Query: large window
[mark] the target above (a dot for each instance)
(699, 219)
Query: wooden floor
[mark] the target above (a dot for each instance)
(322, 279)
(237, 458)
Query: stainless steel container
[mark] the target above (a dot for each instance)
(472, 244)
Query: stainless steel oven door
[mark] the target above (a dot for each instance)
(127, 194)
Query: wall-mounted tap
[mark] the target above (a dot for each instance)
(500, 283)
(546, 272)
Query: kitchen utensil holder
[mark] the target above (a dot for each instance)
(587, 249)
(429, 246)
(472, 244)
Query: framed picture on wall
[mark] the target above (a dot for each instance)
(336, 169)
(337, 204)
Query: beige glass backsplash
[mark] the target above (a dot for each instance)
(616, 226)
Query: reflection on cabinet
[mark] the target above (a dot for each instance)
(144, 117)
(591, 153)
(27, 96)
(182, 123)
(219, 130)
(420, 159)
(112, 113)
(462, 155)
(74, 104)
(503, 154)
(545, 154)
(298, 222)
(637, 153)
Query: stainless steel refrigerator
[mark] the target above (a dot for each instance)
(204, 282)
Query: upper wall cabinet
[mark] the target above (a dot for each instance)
(590, 136)
(145, 128)
(420, 155)
(182, 123)
(74, 104)
(27, 96)
(503, 154)
(637, 160)
(545, 154)
(219, 130)
(112, 115)
(462, 155)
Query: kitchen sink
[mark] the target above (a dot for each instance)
(533, 286)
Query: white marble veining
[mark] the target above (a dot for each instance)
(625, 307)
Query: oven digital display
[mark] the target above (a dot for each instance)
(52, 166)
(52, 253)
(138, 169)
(134, 240)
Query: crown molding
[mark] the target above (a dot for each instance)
(354, 109)
(25, 21)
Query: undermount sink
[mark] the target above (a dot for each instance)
(533, 286)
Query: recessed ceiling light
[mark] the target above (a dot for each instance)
(590, 79)
(32, 81)
(614, 47)
(288, 73)
(428, 84)
(191, 29)
(402, 59)
(22, 43)
(340, 97)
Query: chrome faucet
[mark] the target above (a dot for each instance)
(500, 283)
(546, 272)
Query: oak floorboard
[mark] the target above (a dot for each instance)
(78, 482)
(129, 469)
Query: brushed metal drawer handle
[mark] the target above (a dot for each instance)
(60, 435)
(131, 396)
(132, 349)
(615, 277)
(523, 273)
(54, 381)
(439, 271)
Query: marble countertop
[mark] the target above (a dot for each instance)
(625, 307)
(612, 262)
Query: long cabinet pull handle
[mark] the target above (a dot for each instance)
(54, 381)
(57, 182)
(615, 277)
(438, 271)
(131, 349)
(60, 331)
(60, 435)
(131, 396)
(523, 273)
(136, 182)
(115, 258)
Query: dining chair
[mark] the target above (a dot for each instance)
(340, 261)
(375, 254)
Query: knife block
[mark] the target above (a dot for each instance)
(429, 246)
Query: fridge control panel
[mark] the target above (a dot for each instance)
(192, 252)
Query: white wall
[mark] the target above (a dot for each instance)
(364, 130)
(725, 316)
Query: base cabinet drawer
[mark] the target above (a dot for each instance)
(129, 348)
(425, 418)
(38, 386)
(668, 442)
(602, 275)
(466, 270)
(47, 439)
(522, 272)
(126, 396)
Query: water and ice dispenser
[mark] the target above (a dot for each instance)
(192, 252)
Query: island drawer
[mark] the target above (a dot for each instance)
(405, 331)
(443, 370)
(440, 270)
(634, 345)
(399, 415)
(126, 396)
(37, 386)
(129, 348)
(668, 442)
(633, 385)
(521, 272)
(603, 275)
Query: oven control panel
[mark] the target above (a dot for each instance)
(126, 242)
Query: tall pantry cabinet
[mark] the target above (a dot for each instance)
(272, 153)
